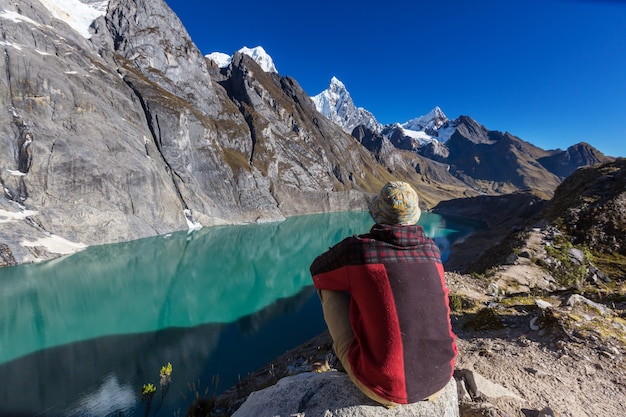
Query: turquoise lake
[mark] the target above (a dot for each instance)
(81, 334)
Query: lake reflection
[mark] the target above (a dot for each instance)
(81, 334)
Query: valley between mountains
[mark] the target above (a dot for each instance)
(115, 127)
(118, 128)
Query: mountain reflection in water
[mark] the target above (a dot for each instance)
(82, 334)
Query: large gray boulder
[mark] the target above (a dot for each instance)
(332, 394)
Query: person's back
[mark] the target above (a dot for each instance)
(397, 344)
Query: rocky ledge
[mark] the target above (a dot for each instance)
(332, 394)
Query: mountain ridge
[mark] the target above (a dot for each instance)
(472, 151)
(132, 113)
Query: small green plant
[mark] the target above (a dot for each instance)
(476, 275)
(485, 319)
(565, 270)
(456, 302)
(148, 390)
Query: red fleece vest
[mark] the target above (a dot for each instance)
(404, 348)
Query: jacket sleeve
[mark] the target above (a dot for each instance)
(329, 270)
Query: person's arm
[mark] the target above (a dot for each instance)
(329, 269)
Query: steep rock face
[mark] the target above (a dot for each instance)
(195, 126)
(399, 139)
(78, 160)
(129, 134)
(432, 179)
(429, 123)
(302, 154)
(435, 150)
(336, 104)
(476, 160)
(470, 130)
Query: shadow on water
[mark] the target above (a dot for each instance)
(82, 334)
(102, 376)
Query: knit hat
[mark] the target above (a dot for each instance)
(397, 203)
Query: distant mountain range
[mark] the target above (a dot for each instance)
(483, 160)
(476, 165)
(429, 134)
(116, 127)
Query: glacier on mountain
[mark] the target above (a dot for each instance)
(77, 14)
(258, 54)
(430, 122)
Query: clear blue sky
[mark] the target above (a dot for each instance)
(552, 72)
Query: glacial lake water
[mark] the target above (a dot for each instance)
(81, 334)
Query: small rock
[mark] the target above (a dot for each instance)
(537, 372)
(611, 349)
(511, 259)
(576, 298)
(607, 354)
(462, 391)
(577, 256)
(597, 274)
(543, 304)
(533, 326)
(481, 387)
(493, 289)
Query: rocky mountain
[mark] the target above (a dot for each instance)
(116, 127)
(588, 210)
(431, 129)
(128, 133)
(336, 104)
(590, 206)
(484, 161)
(564, 163)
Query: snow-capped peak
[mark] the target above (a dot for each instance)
(260, 57)
(336, 104)
(78, 14)
(433, 120)
(221, 59)
(433, 127)
(258, 54)
(336, 85)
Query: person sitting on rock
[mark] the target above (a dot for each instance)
(385, 303)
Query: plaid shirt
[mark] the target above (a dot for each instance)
(384, 244)
(403, 347)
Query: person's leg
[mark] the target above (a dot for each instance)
(336, 308)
